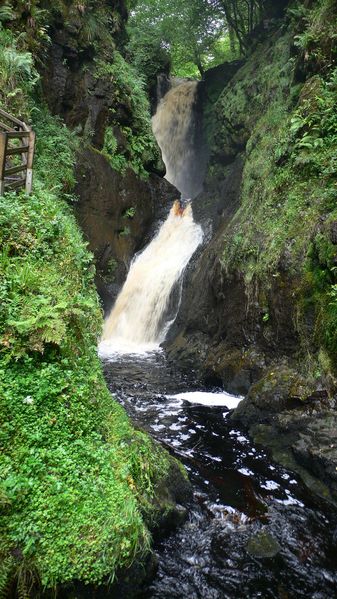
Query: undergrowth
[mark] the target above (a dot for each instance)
(77, 482)
(75, 476)
(136, 146)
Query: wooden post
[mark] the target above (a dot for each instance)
(3, 148)
(30, 157)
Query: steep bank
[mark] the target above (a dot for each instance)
(258, 313)
(103, 99)
(80, 487)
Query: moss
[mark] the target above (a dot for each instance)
(279, 385)
(78, 483)
(75, 475)
(286, 132)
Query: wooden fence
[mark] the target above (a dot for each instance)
(17, 142)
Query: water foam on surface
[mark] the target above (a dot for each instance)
(119, 347)
(205, 398)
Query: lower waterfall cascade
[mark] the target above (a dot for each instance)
(141, 315)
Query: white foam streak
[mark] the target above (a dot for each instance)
(209, 399)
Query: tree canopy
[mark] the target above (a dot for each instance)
(195, 34)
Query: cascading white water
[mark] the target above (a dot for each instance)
(141, 315)
(179, 136)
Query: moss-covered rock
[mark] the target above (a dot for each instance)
(265, 284)
(80, 488)
(258, 313)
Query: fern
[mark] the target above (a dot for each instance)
(20, 63)
(6, 571)
(27, 579)
(6, 13)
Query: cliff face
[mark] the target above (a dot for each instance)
(101, 97)
(117, 212)
(78, 35)
(258, 313)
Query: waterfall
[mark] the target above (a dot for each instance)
(176, 126)
(143, 311)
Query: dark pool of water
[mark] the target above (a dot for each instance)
(253, 529)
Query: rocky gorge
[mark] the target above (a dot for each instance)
(246, 321)
(257, 304)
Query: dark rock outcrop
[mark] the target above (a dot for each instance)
(117, 213)
(68, 75)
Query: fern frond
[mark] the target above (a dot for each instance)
(6, 576)
(6, 13)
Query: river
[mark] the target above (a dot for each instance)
(253, 530)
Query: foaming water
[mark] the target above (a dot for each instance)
(179, 135)
(204, 398)
(141, 315)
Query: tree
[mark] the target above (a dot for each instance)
(188, 30)
(241, 16)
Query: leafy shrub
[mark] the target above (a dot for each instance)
(54, 141)
(129, 90)
(76, 480)
(17, 73)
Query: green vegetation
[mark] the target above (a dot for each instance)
(24, 37)
(138, 146)
(96, 21)
(186, 30)
(17, 73)
(77, 482)
(76, 479)
(190, 35)
(289, 182)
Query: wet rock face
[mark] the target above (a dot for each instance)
(117, 213)
(227, 334)
(296, 420)
(316, 449)
(68, 80)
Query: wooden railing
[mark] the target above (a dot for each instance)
(17, 142)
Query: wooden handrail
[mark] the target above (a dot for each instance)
(15, 130)
(11, 118)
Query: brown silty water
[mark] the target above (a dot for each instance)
(178, 131)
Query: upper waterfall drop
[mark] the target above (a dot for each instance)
(143, 310)
(178, 131)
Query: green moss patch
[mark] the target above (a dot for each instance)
(77, 482)
(287, 132)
